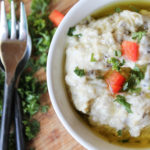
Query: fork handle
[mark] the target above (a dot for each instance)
(6, 115)
(20, 143)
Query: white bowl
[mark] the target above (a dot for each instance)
(56, 84)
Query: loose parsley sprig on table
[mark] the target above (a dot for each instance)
(44, 108)
(30, 89)
(41, 31)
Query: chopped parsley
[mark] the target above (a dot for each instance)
(30, 89)
(118, 53)
(122, 101)
(44, 108)
(41, 30)
(117, 10)
(135, 90)
(119, 132)
(79, 72)
(138, 35)
(135, 78)
(116, 64)
(133, 8)
(31, 128)
(71, 32)
(30, 93)
(78, 35)
(40, 6)
(92, 58)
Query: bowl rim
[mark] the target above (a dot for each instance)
(77, 137)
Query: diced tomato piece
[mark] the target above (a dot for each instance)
(56, 17)
(115, 81)
(130, 50)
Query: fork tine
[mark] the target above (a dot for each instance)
(23, 26)
(3, 23)
(13, 21)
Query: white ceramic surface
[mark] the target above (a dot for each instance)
(55, 79)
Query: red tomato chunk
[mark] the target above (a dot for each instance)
(130, 50)
(115, 81)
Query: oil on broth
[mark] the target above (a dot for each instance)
(133, 5)
(122, 138)
(125, 140)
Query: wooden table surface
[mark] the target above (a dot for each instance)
(52, 135)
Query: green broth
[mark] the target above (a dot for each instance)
(104, 131)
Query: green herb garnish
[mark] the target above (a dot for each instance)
(31, 128)
(117, 10)
(118, 53)
(133, 8)
(41, 30)
(30, 89)
(119, 132)
(40, 6)
(44, 108)
(138, 35)
(92, 58)
(79, 72)
(122, 100)
(116, 64)
(71, 32)
(135, 90)
(135, 78)
(30, 93)
(78, 35)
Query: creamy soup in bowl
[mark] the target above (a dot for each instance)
(107, 73)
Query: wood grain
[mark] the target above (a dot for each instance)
(52, 135)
